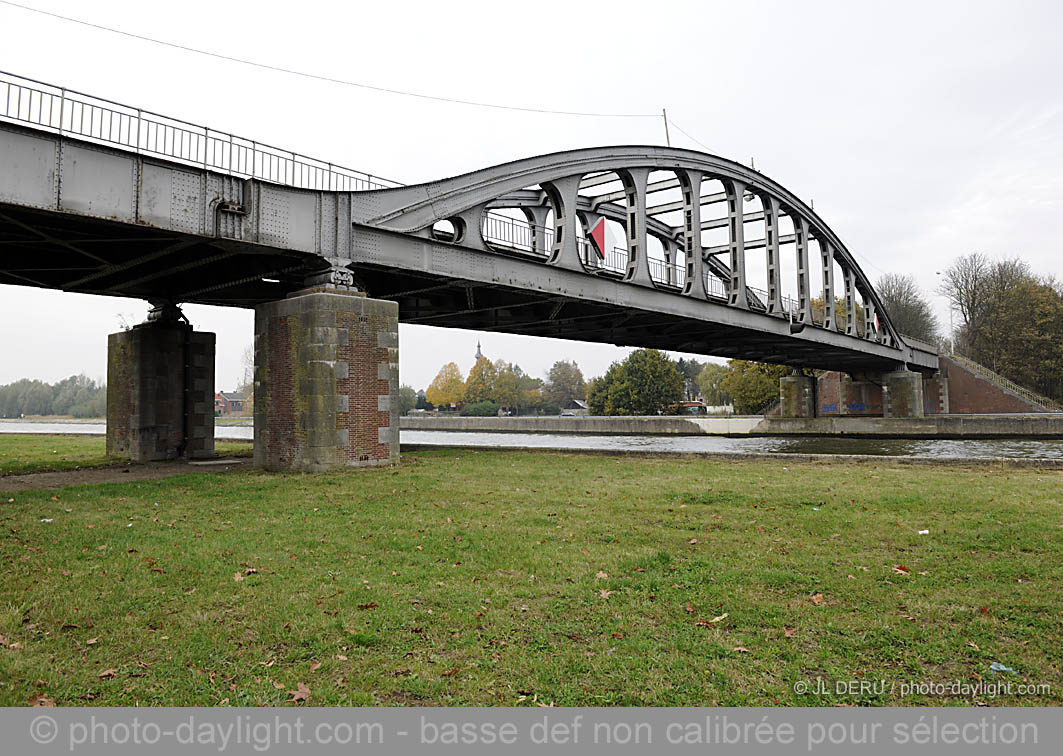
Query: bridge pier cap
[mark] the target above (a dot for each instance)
(326, 379)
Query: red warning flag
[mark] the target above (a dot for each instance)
(598, 238)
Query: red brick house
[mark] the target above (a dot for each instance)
(227, 404)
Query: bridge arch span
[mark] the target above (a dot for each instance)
(561, 177)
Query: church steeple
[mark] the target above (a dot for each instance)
(479, 354)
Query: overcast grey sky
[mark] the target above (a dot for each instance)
(922, 131)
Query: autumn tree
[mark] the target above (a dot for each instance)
(407, 399)
(1011, 320)
(907, 306)
(710, 381)
(480, 385)
(564, 383)
(690, 370)
(643, 384)
(840, 316)
(447, 388)
(608, 394)
(753, 386)
(507, 385)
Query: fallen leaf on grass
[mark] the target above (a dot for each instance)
(238, 576)
(42, 700)
(900, 569)
(690, 608)
(604, 593)
(741, 649)
(601, 575)
(302, 693)
(817, 599)
(107, 674)
(973, 645)
(790, 631)
(702, 622)
(91, 641)
(370, 605)
(693, 541)
(341, 657)
(315, 666)
(449, 673)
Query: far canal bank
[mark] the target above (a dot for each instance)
(971, 437)
(1026, 426)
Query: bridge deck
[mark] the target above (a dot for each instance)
(90, 218)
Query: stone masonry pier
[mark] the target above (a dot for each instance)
(326, 381)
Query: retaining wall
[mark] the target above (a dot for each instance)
(934, 426)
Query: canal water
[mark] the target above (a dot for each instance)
(965, 449)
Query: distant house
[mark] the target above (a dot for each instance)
(227, 404)
(575, 408)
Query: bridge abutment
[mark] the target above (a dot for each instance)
(797, 394)
(160, 390)
(903, 394)
(326, 381)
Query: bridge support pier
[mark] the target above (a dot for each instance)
(160, 390)
(797, 395)
(903, 394)
(326, 381)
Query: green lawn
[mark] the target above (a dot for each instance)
(512, 578)
(30, 453)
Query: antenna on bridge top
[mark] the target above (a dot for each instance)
(667, 138)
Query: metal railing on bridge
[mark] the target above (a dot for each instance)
(512, 234)
(65, 111)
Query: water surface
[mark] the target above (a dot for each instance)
(895, 447)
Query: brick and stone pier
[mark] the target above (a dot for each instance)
(326, 381)
(160, 390)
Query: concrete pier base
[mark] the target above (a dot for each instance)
(797, 395)
(326, 381)
(160, 392)
(904, 394)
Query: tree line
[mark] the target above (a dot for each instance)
(77, 395)
(1010, 319)
(647, 382)
(499, 385)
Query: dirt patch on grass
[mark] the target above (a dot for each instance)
(118, 474)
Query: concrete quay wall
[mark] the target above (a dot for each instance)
(932, 426)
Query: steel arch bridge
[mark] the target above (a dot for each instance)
(137, 205)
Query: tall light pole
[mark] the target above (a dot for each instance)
(952, 330)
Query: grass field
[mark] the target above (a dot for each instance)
(511, 578)
(29, 453)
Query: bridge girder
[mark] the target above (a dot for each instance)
(88, 217)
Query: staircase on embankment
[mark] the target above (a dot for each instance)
(975, 389)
